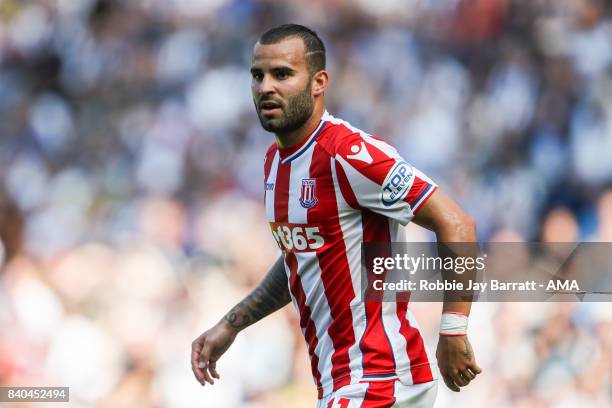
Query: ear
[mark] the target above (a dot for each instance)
(319, 83)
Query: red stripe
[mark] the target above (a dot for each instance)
(416, 209)
(306, 322)
(455, 313)
(377, 353)
(335, 272)
(381, 163)
(415, 348)
(268, 166)
(380, 395)
(417, 187)
(268, 162)
(281, 193)
(345, 187)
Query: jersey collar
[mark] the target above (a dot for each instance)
(288, 154)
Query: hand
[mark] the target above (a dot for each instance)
(208, 348)
(456, 361)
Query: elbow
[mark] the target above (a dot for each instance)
(466, 228)
(468, 221)
(457, 227)
(470, 224)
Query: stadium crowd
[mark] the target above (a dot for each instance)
(131, 166)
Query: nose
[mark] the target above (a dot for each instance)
(266, 86)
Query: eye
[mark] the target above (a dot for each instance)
(257, 76)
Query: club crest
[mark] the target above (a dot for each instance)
(308, 197)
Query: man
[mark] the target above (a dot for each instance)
(327, 190)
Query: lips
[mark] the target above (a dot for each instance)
(269, 107)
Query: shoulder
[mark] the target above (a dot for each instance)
(338, 135)
(342, 139)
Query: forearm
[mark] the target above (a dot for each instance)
(463, 233)
(456, 235)
(271, 294)
(455, 356)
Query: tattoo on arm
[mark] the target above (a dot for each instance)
(271, 294)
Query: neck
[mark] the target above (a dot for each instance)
(284, 140)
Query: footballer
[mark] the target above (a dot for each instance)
(329, 187)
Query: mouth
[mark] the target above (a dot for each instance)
(269, 108)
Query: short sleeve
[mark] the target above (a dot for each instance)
(380, 179)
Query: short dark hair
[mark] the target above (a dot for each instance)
(315, 49)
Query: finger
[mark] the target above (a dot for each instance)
(195, 355)
(450, 383)
(205, 375)
(203, 364)
(468, 374)
(213, 369)
(460, 380)
(474, 368)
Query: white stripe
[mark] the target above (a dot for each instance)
(422, 200)
(391, 320)
(398, 342)
(300, 169)
(337, 121)
(404, 371)
(422, 176)
(431, 358)
(269, 194)
(385, 147)
(309, 273)
(303, 148)
(310, 276)
(352, 233)
(323, 367)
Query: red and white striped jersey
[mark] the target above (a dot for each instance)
(324, 197)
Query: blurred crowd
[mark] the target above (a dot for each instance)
(131, 167)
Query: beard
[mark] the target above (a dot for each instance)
(296, 112)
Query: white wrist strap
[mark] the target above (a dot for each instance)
(453, 324)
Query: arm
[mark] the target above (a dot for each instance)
(451, 224)
(271, 294)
